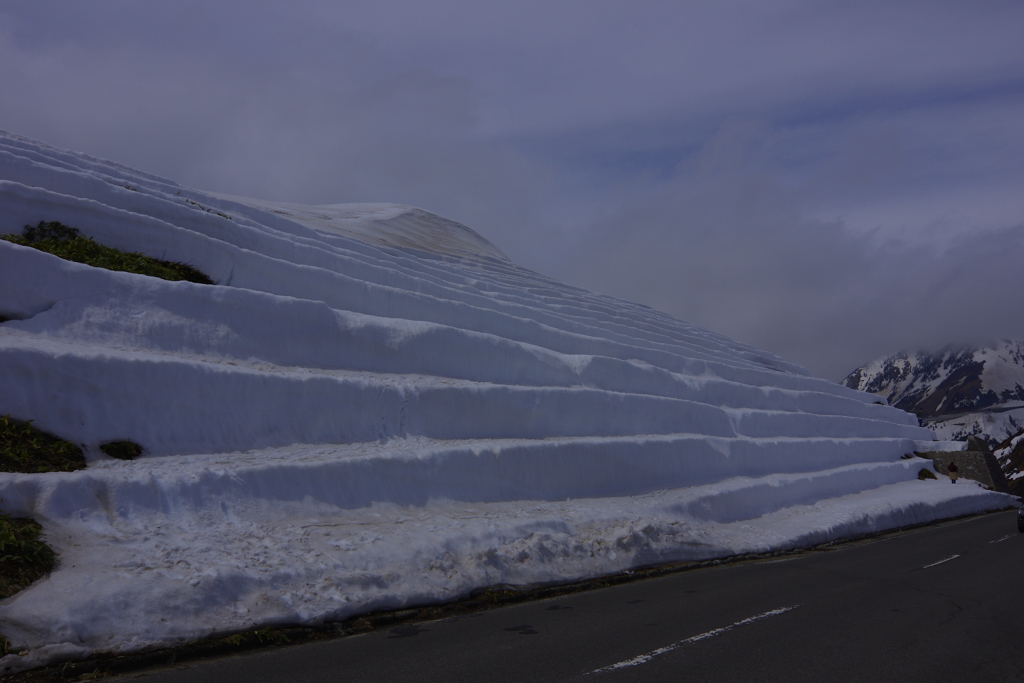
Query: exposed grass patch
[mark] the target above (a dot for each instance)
(257, 637)
(67, 243)
(207, 210)
(925, 473)
(122, 450)
(23, 448)
(24, 558)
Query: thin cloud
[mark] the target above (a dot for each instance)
(725, 245)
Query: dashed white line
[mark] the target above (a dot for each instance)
(940, 562)
(1003, 538)
(643, 659)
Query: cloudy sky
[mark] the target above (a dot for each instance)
(831, 181)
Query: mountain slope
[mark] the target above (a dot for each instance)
(372, 408)
(958, 392)
(1010, 456)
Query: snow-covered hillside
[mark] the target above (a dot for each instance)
(957, 392)
(374, 408)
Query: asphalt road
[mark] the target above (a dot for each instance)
(937, 604)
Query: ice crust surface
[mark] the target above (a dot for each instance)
(374, 408)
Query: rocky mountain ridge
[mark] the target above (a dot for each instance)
(1010, 456)
(957, 391)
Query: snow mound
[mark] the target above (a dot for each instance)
(388, 225)
(374, 408)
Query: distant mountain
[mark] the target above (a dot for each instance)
(957, 391)
(1010, 455)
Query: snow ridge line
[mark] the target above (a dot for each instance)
(507, 278)
(400, 271)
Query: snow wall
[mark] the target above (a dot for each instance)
(374, 408)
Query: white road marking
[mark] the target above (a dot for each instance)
(784, 559)
(940, 562)
(1003, 538)
(643, 659)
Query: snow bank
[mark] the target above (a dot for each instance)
(375, 408)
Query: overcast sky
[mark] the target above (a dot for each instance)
(830, 181)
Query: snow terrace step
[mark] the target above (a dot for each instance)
(258, 328)
(728, 478)
(242, 407)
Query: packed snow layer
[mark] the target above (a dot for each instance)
(375, 408)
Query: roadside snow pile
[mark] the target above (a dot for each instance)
(375, 408)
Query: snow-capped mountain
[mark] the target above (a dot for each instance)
(1010, 456)
(958, 391)
(373, 408)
